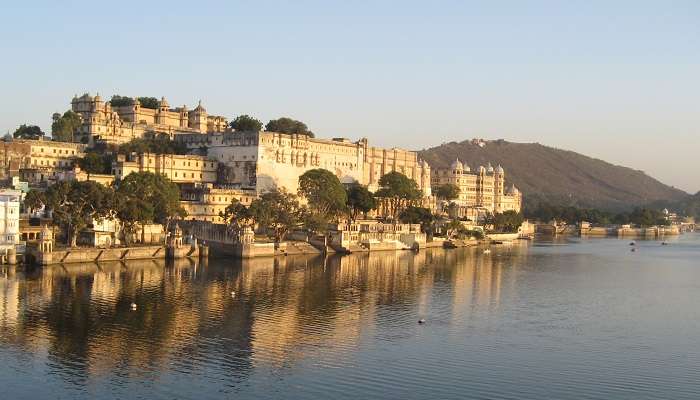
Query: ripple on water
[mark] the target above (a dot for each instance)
(584, 320)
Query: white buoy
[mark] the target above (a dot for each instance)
(133, 306)
(233, 294)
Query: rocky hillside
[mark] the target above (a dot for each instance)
(558, 176)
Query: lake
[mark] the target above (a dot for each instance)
(566, 319)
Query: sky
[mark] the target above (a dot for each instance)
(616, 80)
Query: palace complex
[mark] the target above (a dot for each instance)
(480, 192)
(266, 160)
(224, 164)
(103, 122)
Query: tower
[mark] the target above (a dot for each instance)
(499, 178)
(45, 255)
(198, 118)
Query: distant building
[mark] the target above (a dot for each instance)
(177, 168)
(482, 191)
(9, 218)
(102, 122)
(205, 202)
(37, 161)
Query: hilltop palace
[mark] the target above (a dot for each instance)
(226, 164)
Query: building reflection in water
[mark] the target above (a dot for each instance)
(78, 319)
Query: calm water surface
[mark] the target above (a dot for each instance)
(575, 319)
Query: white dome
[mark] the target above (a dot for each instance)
(499, 169)
(457, 165)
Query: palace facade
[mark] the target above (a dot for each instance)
(262, 161)
(180, 169)
(102, 122)
(206, 202)
(481, 191)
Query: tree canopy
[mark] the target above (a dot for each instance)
(34, 200)
(149, 102)
(76, 204)
(447, 191)
(32, 132)
(237, 216)
(360, 200)
(640, 216)
(323, 191)
(289, 126)
(96, 162)
(146, 102)
(64, 126)
(507, 222)
(121, 101)
(398, 191)
(278, 212)
(158, 143)
(418, 215)
(246, 123)
(152, 189)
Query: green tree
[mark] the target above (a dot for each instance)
(246, 123)
(647, 217)
(289, 126)
(158, 143)
(132, 210)
(447, 192)
(238, 217)
(323, 192)
(34, 200)
(64, 126)
(121, 101)
(149, 102)
(507, 222)
(96, 162)
(75, 205)
(147, 191)
(32, 132)
(360, 200)
(418, 215)
(278, 212)
(398, 191)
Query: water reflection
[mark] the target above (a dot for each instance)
(76, 323)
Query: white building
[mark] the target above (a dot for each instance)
(9, 218)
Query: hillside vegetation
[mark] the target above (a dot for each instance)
(549, 175)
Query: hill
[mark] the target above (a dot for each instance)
(562, 177)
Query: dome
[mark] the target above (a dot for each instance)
(199, 107)
(489, 168)
(512, 190)
(457, 165)
(163, 103)
(97, 98)
(499, 169)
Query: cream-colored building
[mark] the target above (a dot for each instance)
(265, 160)
(204, 202)
(102, 122)
(47, 159)
(483, 189)
(177, 168)
(9, 218)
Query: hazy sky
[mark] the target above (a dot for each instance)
(617, 80)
